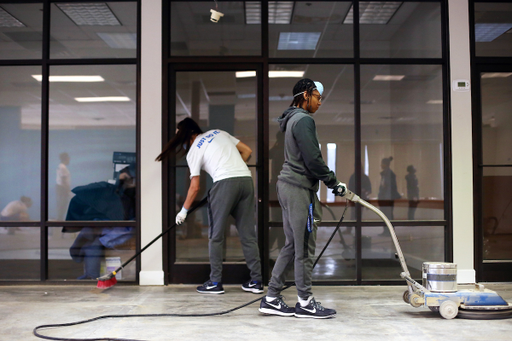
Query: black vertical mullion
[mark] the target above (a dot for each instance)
(168, 169)
(447, 136)
(357, 139)
(45, 102)
(263, 146)
(137, 140)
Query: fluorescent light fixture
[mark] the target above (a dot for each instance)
(298, 40)
(119, 40)
(388, 77)
(496, 74)
(271, 74)
(71, 78)
(90, 14)
(285, 74)
(103, 99)
(7, 20)
(279, 12)
(373, 12)
(485, 33)
(435, 101)
(245, 74)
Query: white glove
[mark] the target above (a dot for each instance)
(340, 189)
(181, 216)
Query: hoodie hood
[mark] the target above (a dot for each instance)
(285, 117)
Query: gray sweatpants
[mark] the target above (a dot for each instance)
(235, 197)
(299, 248)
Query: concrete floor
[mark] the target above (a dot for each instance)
(364, 313)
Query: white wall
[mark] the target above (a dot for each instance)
(151, 141)
(462, 153)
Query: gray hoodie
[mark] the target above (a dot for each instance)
(303, 165)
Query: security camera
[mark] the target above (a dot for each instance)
(216, 15)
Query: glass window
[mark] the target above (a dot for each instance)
(493, 28)
(402, 140)
(400, 29)
(20, 143)
(418, 244)
(93, 30)
(194, 34)
(21, 27)
(215, 100)
(89, 252)
(92, 141)
(496, 212)
(334, 123)
(311, 29)
(20, 253)
(496, 121)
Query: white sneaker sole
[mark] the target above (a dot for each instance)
(254, 291)
(274, 312)
(210, 292)
(315, 316)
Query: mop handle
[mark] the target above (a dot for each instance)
(201, 203)
(355, 198)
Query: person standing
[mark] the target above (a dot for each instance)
(63, 186)
(413, 191)
(296, 189)
(223, 157)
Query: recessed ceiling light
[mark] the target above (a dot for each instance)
(103, 99)
(7, 20)
(285, 74)
(245, 74)
(373, 12)
(71, 78)
(435, 101)
(388, 77)
(298, 40)
(485, 33)
(496, 74)
(119, 40)
(279, 12)
(90, 14)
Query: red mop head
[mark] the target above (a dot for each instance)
(107, 281)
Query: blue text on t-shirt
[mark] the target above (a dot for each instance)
(205, 138)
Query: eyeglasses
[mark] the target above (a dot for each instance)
(318, 97)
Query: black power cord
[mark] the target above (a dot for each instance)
(36, 333)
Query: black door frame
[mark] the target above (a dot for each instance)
(196, 273)
(486, 271)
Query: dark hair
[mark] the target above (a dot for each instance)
(180, 143)
(304, 85)
(387, 160)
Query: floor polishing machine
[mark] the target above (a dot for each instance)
(438, 290)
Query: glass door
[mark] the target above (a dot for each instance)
(225, 99)
(494, 231)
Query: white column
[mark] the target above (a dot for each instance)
(462, 151)
(151, 141)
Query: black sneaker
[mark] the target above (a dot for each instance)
(210, 287)
(314, 310)
(255, 287)
(276, 307)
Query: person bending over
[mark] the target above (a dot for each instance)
(223, 157)
(297, 186)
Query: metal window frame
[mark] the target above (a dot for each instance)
(45, 62)
(173, 63)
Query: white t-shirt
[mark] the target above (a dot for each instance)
(215, 151)
(63, 176)
(14, 208)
